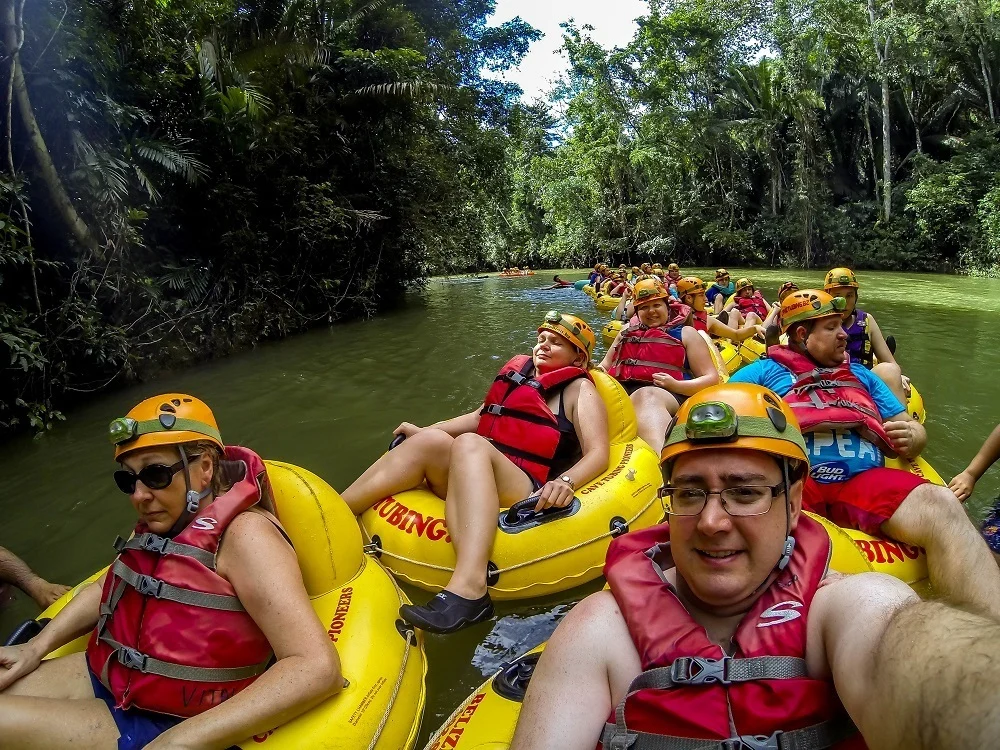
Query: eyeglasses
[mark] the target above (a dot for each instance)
(744, 500)
(154, 476)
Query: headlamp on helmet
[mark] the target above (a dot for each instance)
(713, 420)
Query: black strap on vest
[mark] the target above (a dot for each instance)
(696, 670)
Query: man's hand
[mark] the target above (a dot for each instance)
(906, 385)
(903, 437)
(962, 485)
(555, 494)
(45, 593)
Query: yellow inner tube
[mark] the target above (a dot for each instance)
(531, 559)
(606, 303)
(358, 602)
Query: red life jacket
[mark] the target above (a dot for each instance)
(173, 637)
(700, 320)
(646, 351)
(831, 398)
(517, 420)
(754, 303)
(691, 689)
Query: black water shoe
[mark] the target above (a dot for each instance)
(723, 317)
(448, 612)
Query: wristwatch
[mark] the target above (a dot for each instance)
(566, 478)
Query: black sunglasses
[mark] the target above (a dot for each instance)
(154, 476)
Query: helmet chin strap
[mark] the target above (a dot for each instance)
(789, 548)
(192, 498)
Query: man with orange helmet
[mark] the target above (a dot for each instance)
(660, 360)
(724, 628)
(542, 430)
(852, 421)
(201, 631)
(864, 338)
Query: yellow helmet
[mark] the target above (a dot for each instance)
(572, 328)
(742, 284)
(809, 304)
(673, 267)
(690, 285)
(735, 415)
(648, 290)
(840, 277)
(169, 419)
(721, 273)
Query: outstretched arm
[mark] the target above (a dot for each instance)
(933, 680)
(700, 362)
(964, 483)
(879, 348)
(717, 328)
(16, 571)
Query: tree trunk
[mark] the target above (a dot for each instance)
(871, 147)
(886, 149)
(46, 168)
(987, 84)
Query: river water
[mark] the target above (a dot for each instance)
(329, 399)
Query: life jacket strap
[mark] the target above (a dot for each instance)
(816, 737)
(696, 670)
(134, 659)
(646, 363)
(149, 586)
(162, 545)
(499, 410)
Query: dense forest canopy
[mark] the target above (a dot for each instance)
(182, 178)
(794, 132)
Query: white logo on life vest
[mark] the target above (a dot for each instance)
(779, 613)
(204, 524)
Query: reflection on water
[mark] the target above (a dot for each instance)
(328, 400)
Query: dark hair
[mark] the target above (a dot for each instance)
(797, 470)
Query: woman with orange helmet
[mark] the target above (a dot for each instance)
(660, 360)
(541, 431)
(181, 622)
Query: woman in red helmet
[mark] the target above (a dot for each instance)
(201, 633)
(541, 430)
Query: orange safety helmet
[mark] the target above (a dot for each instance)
(673, 267)
(788, 286)
(690, 285)
(572, 328)
(742, 284)
(648, 290)
(840, 277)
(168, 419)
(735, 415)
(809, 304)
(721, 273)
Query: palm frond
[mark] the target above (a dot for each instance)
(410, 89)
(173, 159)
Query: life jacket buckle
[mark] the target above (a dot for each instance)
(157, 544)
(131, 658)
(709, 670)
(149, 586)
(753, 742)
(517, 378)
(495, 409)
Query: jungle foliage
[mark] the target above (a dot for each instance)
(182, 178)
(770, 132)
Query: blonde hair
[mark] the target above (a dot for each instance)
(218, 484)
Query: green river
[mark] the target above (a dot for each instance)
(328, 400)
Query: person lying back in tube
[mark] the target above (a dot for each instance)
(748, 307)
(692, 292)
(660, 361)
(541, 430)
(721, 289)
(201, 632)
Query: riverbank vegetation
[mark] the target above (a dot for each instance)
(183, 178)
(792, 132)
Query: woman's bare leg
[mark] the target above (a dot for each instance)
(654, 409)
(55, 707)
(480, 478)
(422, 457)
